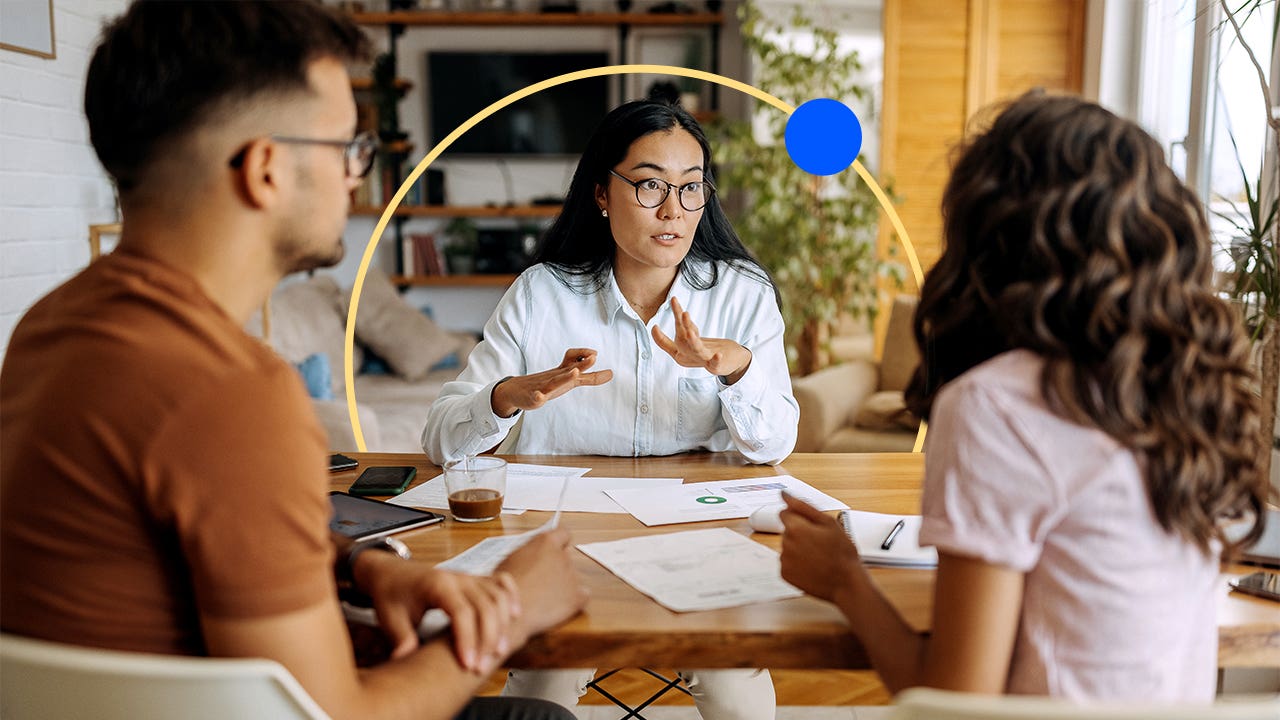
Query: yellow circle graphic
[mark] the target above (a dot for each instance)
(348, 368)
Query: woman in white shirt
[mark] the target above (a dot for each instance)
(646, 305)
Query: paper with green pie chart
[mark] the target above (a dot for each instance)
(720, 500)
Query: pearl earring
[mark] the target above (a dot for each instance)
(604, 213)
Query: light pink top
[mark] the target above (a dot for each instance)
(1113, 606)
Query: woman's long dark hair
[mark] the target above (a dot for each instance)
(1067, 234)
(579, 245)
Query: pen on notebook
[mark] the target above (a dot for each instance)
(893, 535)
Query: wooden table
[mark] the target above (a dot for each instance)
(623, 628)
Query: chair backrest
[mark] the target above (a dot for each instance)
(41, 679)
(927, 704)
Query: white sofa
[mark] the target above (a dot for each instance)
(309, 317)
(857, 405)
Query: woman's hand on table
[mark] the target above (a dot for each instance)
(530, 392)
(725, 358)
(817, 555)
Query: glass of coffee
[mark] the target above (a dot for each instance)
(476, 486)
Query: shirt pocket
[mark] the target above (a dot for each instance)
(699, 409)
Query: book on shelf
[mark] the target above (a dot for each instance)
(427, 258)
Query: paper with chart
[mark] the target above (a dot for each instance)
(432, 494)
(722, 500)
(695, 569)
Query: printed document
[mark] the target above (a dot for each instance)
(723, 500)
(695, 569)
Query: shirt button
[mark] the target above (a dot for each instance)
(645, 354)
(644, 409)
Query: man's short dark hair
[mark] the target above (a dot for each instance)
(163, 66)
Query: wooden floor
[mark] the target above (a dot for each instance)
(794, 687)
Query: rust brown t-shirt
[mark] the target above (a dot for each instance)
(156, 464)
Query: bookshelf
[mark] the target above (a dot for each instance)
(397, 23)
(472, 211)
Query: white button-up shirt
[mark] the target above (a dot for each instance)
(652, 406)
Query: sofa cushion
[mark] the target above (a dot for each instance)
(404, 337)
(885, 410)
(306, 318)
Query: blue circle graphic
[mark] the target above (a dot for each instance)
(823, 136)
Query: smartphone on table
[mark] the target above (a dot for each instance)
(390, 480)
(338, 462)
(1262, 584)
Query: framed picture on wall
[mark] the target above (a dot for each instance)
(26, 26)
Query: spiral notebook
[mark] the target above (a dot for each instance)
(869, 530)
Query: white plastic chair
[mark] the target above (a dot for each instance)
(928, 704)
(40, 679)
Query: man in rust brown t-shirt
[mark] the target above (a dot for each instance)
(162, 477)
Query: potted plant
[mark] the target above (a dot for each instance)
(816, 235)
(460, 250)
(1255, 282)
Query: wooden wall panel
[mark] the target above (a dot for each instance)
(1041, 42)
(924, 103)
(945, 60)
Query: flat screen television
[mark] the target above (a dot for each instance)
(557, 121)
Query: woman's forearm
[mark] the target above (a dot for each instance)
(896, 651)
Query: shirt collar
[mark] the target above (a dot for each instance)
(613, 302)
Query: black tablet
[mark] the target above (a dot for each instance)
(360, 518)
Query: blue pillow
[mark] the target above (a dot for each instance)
(317, 376)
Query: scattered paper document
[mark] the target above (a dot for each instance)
(520, 476)
(584, 494)
(695, 569)
(485, 556)
(869, 530)
(555, 471)
(723, 500)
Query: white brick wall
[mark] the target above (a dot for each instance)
(51, 185)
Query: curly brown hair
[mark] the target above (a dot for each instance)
(1068, 235)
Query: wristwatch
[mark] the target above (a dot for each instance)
(345, 568)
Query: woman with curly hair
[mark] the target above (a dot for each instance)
(1091, 426)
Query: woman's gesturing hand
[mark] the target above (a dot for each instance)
(530, 392)
(725, 358)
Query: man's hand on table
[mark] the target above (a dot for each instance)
(551, 591)
(483, 611)
(532, 591)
